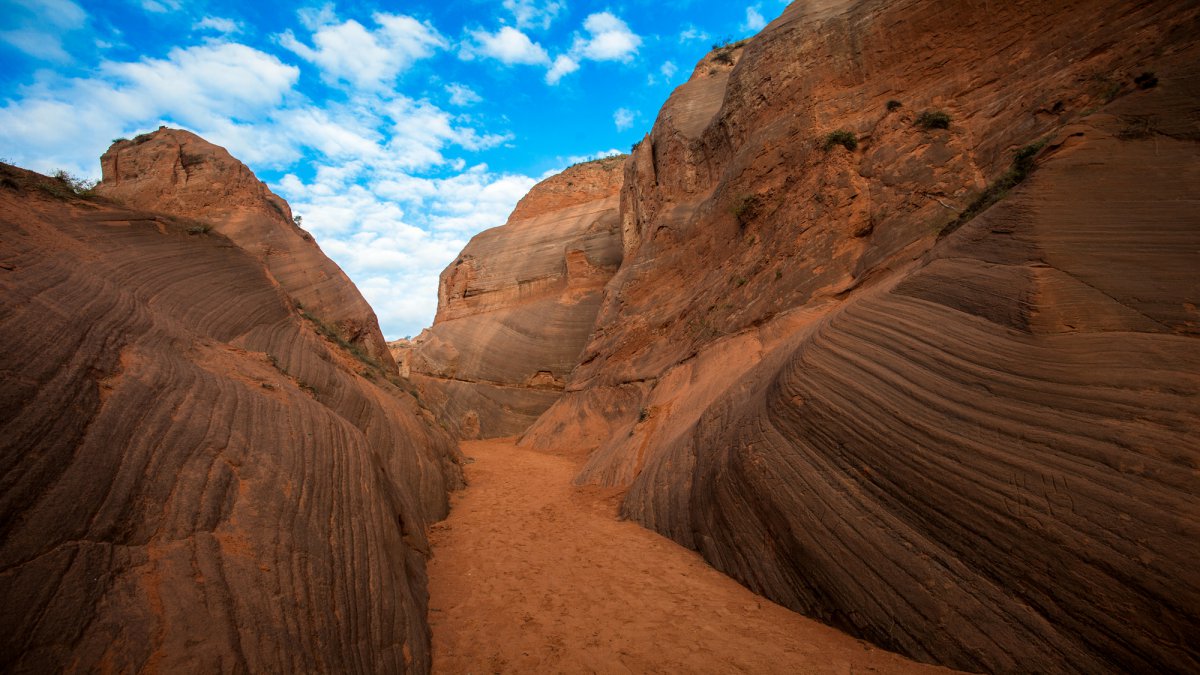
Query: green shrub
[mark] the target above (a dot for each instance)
(79, 186)
(1022, 165)
(203, 228)
(933, 119)
(841, 137)
(326, 331)
(745, 209)
(1146, 80)
(894, 105)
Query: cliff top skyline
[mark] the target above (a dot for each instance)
(396, 131)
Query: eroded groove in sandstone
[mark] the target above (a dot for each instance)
(977, 449)
(516, 307)
(175, 172)
(191, 478)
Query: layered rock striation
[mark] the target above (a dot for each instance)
(176, 172)
(904, 335)
(517, 305)
(194, 475)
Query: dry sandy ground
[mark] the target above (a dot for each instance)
(532, 574)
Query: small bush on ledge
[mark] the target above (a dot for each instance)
(745, 209)
(1022, 165)
(894, 105)
(841, 137)
(933, 119)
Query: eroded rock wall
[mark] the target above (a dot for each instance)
(516, 307)
(192, 478)
(176, 172)
(972, 443)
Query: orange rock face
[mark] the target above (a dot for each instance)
(516, 307)
(194, 479)
(178, 173)
(876, 377)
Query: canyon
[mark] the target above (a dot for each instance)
(891, 319)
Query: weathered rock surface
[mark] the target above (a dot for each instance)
(975, 445)
(178, 173)
(516, 307)
(192, 478)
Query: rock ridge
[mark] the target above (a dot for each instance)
(194, 475)
(856, 366)
(176, 172)
(516, 306)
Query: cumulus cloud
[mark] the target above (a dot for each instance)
(668, 70)
(218, 24)
(610, 39)
(365, 59)
(461, 95)
(692, 34)
(623, 118)
(754, 19)
(533, 14)
(205, 86)
(394, 232)
(507, 45)
(563, 65)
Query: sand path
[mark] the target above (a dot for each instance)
(532, 574)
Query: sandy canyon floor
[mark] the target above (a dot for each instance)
(533, 574)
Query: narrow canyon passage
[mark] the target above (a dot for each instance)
(532, 574)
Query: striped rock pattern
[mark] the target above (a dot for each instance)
(191, 477)
(516, 307)
(972, 443)
(177, 173)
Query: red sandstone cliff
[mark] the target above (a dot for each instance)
(193, 478)
(516, 307)
(178, 173)
(957, 420)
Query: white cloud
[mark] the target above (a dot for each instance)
(39, 27)
(393, 198)
(563, 65)
(365, 59)
(63, 14)
(576, 159)
(754, 19)
(668, 70)
(161, 7)
(532, 14)
(611, 39)
(226, 80)
(692, 34)
(623, 118)
(37, 43)
(203, 87)
(462, 95)
(507, 45)
(218, 24)
(394, 232)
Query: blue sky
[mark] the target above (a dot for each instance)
(397, 130)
